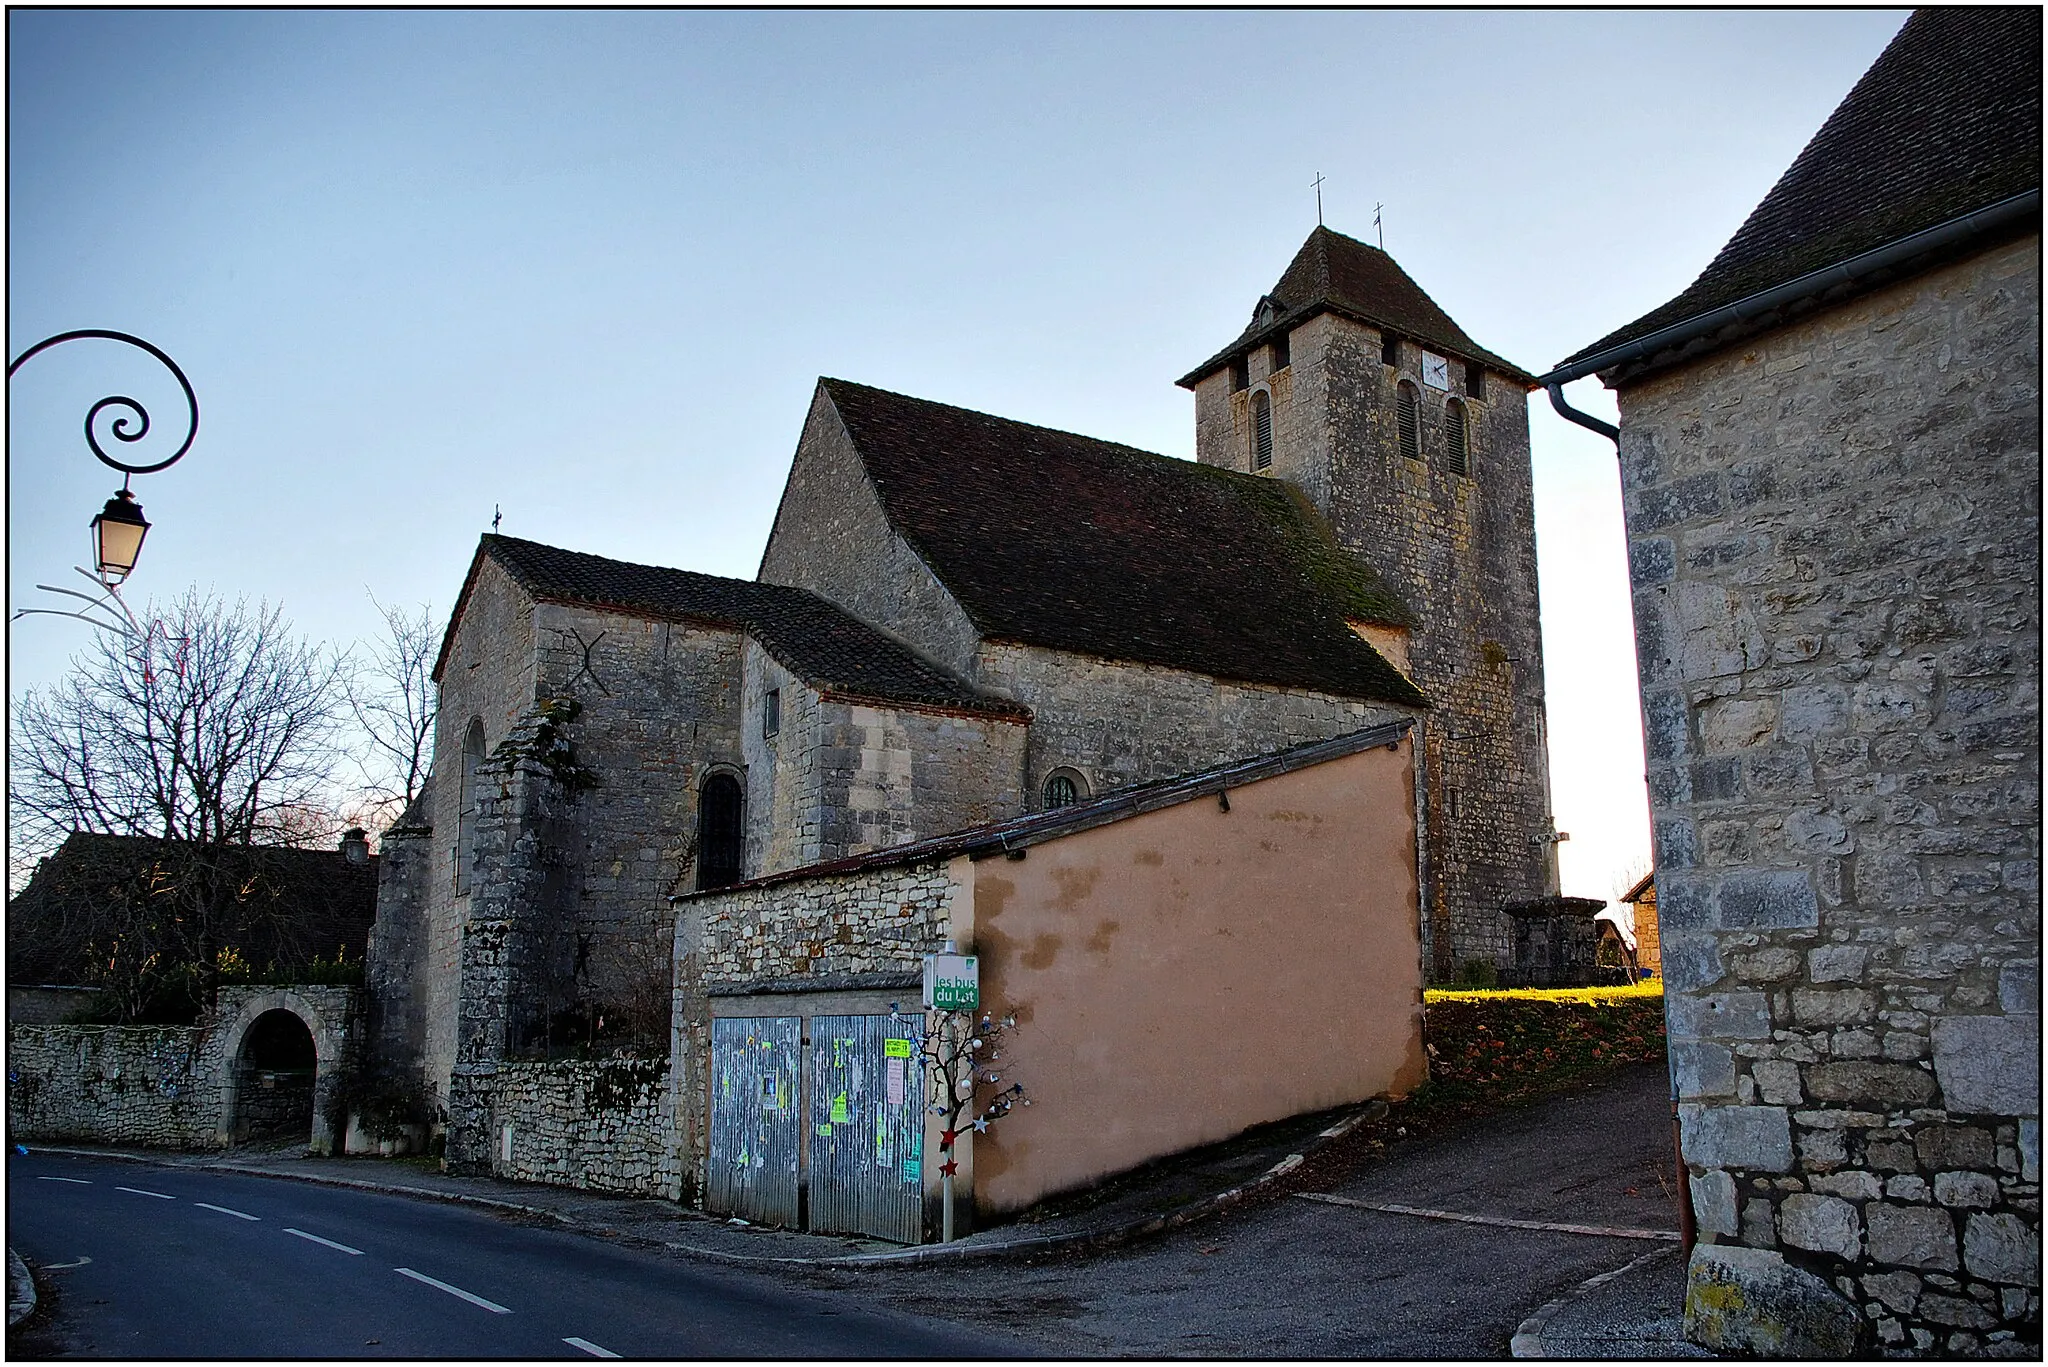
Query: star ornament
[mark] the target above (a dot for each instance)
(949, 1167)
(947, 1137)
(981, 1126)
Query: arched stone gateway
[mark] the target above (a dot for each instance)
(282, 1055)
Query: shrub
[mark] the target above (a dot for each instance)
(1499, 1043)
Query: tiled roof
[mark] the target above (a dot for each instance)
(1333, 273)
(1946, 121)
(1035, 828)
(299, 903)
(1057, 540)
(830, 649)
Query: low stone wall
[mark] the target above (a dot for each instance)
(113, 1084)
(882, 920)
(604, 1124)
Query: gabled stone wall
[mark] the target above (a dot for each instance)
(1835, 544)
(832, 537)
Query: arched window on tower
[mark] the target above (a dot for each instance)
(1408, 415)
(465, 820)
(721, 833)
(1262, 431)
(1457, 439)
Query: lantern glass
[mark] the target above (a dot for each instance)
(117, 536)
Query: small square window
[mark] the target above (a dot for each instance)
(771, 711)
(1282, 355)
(1390, 349)
(1240, 375)
(1475, 382)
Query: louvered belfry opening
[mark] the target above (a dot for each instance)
(1262, 431)
(1455, 438)
(1409, 413)
(721, 838)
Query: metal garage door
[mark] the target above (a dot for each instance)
(867, 1128)
(755, 1118)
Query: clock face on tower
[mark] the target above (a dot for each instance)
(1436, 371)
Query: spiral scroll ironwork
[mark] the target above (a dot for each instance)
(133, 424)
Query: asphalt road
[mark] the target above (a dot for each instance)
(1303, 1278)
(167, 1263)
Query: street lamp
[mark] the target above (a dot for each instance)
(118, 530)
(117, 536)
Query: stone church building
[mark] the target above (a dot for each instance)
(962, 619)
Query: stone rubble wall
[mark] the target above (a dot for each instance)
(600, 1124)
(823, 928)
(1835, 548)
(153, 1085)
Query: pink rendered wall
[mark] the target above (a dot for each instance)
(1185, 974)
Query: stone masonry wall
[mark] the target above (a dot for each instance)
(397, 953)
(891, 775)
(1835, 544)
(830, 930)
(785, 810)
(1119, 723)
(155, 1085)
(601, 1124)
(1461, 551)
(487, 675)
(832, 537)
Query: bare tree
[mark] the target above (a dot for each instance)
(392, 697)
(208, 738)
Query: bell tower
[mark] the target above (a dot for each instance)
(1413, 441)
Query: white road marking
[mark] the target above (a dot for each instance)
(79, 1180)
(471, 1297)
(140, 1192)
(208, 1205)
(1498, 1221)
(341, 1248)
(587, 1346)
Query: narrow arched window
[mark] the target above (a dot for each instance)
(1262, 431)
(1063, 788)
(721, 834)
(465, 819)
(1457, 439)
(1408, 415)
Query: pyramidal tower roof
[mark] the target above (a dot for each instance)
(1333, 273)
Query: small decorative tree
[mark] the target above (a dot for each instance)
(963, 1057)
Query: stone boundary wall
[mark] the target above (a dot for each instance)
(157, 1085)
(600, 1124)
(168, 1086)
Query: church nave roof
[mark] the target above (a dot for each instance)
(1051, 539)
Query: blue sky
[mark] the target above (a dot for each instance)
(586, 267)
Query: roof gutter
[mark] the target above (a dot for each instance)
(1980, 223)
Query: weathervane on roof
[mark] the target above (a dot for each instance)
(1376, 225)
(497, 516)
(1317, 183)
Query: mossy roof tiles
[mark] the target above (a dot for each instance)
(1050, 539)
(1947, 121)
